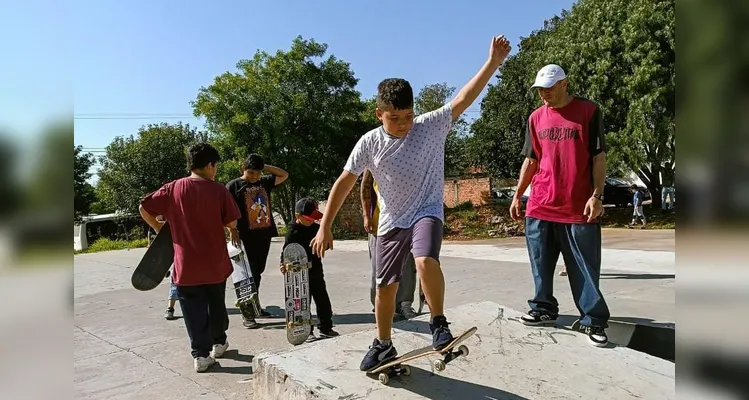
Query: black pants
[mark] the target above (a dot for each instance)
(206, 319)
(319, 293)
(257, 255)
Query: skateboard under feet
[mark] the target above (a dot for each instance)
(296, 285)
(396, 367)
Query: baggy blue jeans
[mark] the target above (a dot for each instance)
(580, 246)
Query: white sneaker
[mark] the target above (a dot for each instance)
(203, 363)
(219, 350)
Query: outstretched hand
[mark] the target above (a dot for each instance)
(321, 242)
(499, 49)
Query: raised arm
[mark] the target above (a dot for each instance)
(498, 51)
(280, 174)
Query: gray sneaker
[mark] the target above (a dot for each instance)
(169, 314)
(407, 311)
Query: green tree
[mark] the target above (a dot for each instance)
(622, 55)
(432, 97)
(498, 135)
(83, 192)
(137, 165)
(298, 108)
(619, 54)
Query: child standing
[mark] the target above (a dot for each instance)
(198, 209)
(637, 203)
(302, 231)
(172, 299)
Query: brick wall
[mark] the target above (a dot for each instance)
(476, 190)
(349, 218)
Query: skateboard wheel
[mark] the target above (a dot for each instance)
(406, 370)
(439, 365)
(463, 350)
(384, 378)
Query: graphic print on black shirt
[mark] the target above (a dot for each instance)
(254, 201)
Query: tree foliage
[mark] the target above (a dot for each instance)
(83, 192)
(619, 54)
(137, 165)
(432, 97)
(298, 108)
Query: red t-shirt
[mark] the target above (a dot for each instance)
(564, 141)
(197, 210)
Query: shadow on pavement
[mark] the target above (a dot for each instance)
(433, 386)
(637, 276)
(236, 356)
(352, 319)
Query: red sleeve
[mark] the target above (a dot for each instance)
(157, 202)
(230, 210)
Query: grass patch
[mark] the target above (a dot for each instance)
(105, 244)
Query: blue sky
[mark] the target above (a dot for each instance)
(137, 61)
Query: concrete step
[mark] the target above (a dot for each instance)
(506, 360)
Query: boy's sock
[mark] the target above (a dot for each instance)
(385, 342)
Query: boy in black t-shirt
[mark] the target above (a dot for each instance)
(256, 227)
(302, 231)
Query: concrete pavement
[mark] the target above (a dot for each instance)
(125, 349)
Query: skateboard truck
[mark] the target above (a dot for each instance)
(440, 365)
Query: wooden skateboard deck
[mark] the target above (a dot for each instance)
(395, 366)
(247, 300)
(159, 257)
(296, 283)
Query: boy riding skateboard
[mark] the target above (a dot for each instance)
(406, 157)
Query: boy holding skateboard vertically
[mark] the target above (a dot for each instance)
(302, 231)
(198, 210)
(407, 159)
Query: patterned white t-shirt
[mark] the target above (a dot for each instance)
(409, 171)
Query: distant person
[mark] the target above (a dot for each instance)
(198, 210)
(252, 193)
(172, 298)
(565, 162)
(638, 214)
(301, 232)
(404, 299)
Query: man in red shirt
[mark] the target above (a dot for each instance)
(565, 165)
(198, 209)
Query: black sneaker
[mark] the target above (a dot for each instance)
(538, 318)
(377, 355)
(265, 314)
(597, 335)
(329, 333)
(169, 314)
(441, 335)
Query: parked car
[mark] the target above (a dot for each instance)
(504, 196)
(617, 192)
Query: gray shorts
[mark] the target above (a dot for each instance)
(423, 239)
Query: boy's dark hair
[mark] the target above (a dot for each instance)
(395, 94)
(200, 155)
(253, 162)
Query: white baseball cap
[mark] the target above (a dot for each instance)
(548, 76)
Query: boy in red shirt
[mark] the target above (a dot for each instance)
(198, 209)
(565, 165)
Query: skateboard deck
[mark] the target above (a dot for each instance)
(296, 283)
(247, 299)
(154, 265)
(395, 366)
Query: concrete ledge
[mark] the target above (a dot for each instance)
(507, 360)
